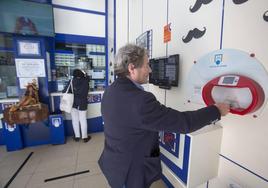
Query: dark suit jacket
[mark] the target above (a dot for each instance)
(132, 118)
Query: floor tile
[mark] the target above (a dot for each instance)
(94, 181)
(49, 161)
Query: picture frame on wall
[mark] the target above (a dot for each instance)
(29, 48)
(145, 40)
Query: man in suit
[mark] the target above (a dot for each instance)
(132, 119)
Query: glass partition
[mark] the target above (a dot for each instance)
(8, 84)
(88, 57)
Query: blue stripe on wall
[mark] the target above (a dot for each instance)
(6, 49)
(106, 46)
(264, 179)
(167, 182)
(60, 37)
(114, 26)
(222, 21)
(78, 9)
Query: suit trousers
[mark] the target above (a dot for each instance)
(79, 116)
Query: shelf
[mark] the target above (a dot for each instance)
(97, 53)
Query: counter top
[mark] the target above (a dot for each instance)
(55, 94)
(9, 100)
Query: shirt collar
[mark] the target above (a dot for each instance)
(138, 85)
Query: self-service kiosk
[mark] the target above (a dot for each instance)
(242, 93)
(222, 76)
(229, 76)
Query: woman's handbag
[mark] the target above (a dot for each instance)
(67, 100)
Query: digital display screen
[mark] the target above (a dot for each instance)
(171, 69)
(228, 80)
(27, 18)
(161, 68)
(164, 71)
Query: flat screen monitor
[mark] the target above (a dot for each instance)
(165, 71)
(157, 75)
(27, 18)
(153, 76)
(172, 70)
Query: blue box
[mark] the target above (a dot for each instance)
(57, 133)
(35, 134)
(2, 142)
(12, 137)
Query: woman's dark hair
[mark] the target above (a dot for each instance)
(77, 73)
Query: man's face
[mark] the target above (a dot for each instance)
(141, 74)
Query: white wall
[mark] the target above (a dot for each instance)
(78, 23)
(244, 137)
(78, 17)
(121, 23)
(95, 5)
(155, 17)
(111, 41)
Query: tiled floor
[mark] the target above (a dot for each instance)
(52, 161)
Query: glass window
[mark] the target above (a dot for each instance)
(87, 57)
(8, 86)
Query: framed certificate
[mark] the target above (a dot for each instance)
(29, 48)
(29, 68)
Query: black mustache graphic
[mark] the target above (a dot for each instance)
(238, 2)
(195, 33)
(198, 4)
(265, 16)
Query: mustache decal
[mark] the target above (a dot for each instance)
(238, 2)
(198, 4)
(265, 16)
(195, 33)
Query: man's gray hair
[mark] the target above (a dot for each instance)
(129, 53)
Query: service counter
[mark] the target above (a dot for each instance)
(94, 119)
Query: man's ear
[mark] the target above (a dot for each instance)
(131, 68)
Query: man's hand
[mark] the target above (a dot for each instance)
(223, 108)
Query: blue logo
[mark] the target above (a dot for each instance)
(218, 59)
(56, 122)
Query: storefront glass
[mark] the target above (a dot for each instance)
(88, 57)
(8, 85)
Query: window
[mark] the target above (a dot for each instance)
(87, 57)
(8, 86)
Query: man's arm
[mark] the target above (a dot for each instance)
(158, 117)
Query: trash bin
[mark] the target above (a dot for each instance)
(1, 133)
(12, 137)
(57, 134)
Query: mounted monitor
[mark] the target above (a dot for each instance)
(27, 18)
(172, 70)
(165, 71)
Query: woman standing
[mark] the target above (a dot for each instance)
(80, 83)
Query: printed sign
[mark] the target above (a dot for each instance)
(94, 98)
(167, 33)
